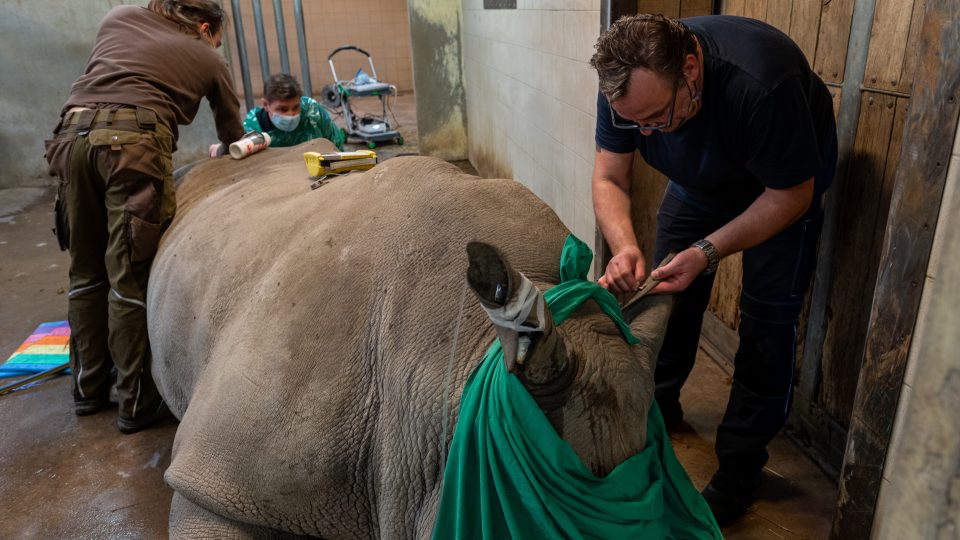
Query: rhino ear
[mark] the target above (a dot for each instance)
(513, 303)
(489, 274)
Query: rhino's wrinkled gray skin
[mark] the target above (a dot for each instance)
(302, 337)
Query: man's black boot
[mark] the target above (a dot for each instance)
(144, 419)
(88, 406)
(729, 499)
(91, 404)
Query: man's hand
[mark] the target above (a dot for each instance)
(217, 150)
(679, 273)
(625, 272)
(611, 203)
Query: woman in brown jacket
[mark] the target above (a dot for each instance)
(149, 70)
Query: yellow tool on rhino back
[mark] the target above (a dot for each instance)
(339, 162)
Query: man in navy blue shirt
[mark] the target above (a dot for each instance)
(729, 110)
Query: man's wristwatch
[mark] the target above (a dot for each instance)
(708, 249)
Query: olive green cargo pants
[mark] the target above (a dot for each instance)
(116, 197)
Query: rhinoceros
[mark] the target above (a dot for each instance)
(305, 340)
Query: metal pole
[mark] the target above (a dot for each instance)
(261, 40)
(302, 47)
(600, 247)
(281, 36)
(34, 378)
(847, 119)
(242, 53)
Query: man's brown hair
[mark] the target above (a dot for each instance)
(281, 86)
(646, 41)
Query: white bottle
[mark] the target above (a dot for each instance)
(249, 144)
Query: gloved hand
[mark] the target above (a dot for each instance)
(217, 150)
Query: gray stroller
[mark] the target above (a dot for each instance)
(370, 129)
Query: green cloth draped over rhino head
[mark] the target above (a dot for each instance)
(510, 475)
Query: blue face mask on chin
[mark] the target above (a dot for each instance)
(285, 123)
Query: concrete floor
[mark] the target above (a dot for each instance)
(69, 477)
(64, 476)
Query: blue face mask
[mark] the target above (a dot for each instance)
(285, 123)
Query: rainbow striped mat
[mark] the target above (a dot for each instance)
(47, 347)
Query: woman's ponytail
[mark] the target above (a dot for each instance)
(190, 13)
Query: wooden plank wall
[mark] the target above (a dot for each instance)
(822, 30)
(861, 223)
(865, 201)
(917, 199)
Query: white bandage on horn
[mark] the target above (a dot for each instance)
(514, 314)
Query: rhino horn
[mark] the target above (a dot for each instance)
(513, 303)
(648, 314)
(648, 319)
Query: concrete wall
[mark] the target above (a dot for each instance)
(44, 46)
(531, 99)
(380, 27)
(920, 492)
(436, 33)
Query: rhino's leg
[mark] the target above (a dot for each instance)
(188, 520)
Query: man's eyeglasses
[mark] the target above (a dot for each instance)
(622, 123)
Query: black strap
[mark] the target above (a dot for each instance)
(263, 118)
(86, 119)
(146, 119)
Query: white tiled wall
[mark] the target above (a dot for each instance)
(531, 99)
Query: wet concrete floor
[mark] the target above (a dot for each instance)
(67, 477)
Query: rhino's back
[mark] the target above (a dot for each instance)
(309, 332)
